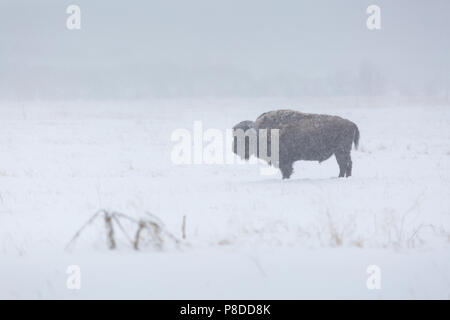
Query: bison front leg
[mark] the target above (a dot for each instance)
(286, 170)
(345, 164)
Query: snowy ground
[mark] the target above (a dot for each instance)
(248, 235)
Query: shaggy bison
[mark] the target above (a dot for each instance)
(301, 136)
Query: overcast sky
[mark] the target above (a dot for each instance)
(222, 47)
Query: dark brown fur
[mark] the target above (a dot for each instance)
(304, 136)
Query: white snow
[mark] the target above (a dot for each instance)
(248, 235)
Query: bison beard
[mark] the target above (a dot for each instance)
(304, 136)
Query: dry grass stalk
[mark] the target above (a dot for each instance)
(153, 225)
(110, 231)
(183, 228)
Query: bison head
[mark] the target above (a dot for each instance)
(245, 139)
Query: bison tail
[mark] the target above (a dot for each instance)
(356, 137)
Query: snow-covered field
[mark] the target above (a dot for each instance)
(247, 235)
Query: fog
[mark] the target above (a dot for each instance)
(204, 48)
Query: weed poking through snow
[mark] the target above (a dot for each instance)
(150, 230)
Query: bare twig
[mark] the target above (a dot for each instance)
(138, 234)
(110, 231)
(116, 219)
(153, 225)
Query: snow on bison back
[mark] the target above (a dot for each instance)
(304, 136)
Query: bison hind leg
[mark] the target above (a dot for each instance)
(345, 163)
(348, 171)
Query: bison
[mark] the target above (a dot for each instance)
(302, 136)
